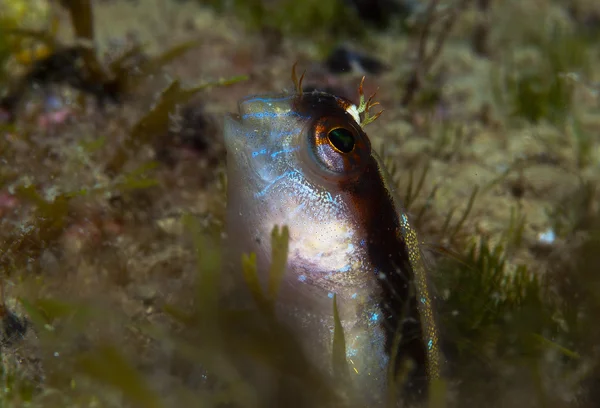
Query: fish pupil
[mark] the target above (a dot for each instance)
(342, 139)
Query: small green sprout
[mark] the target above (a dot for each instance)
(584, 142)
(279, 251)
(209, 263)
(451, 232)
(339, 363)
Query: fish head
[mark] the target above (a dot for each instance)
(291, 160)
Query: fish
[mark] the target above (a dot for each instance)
(303, 160)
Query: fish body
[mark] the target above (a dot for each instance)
(303, 160)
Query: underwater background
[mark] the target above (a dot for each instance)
(112, 190)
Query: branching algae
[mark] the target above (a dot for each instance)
(303, 160)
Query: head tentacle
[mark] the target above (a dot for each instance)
(365, 106)
(297, 81)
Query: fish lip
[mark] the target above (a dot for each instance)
(231, 123)
(234, 116)
(238, 156)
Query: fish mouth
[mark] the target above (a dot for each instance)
(233, 134)
(238, 144)
(234, 116)
(248, 135)
(232, 122)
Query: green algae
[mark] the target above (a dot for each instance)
(157, 120)
(539, 90)
(235, 335)
(492, 293)
(310, 18)
(107, 365)
(265, 299)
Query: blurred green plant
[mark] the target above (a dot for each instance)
(50, 217)
(78, 65)
(266, 301)
(584, 142)
(16, 390)
(494, 318)
(449, 140)
(513, 235)
(156, 121)
(4, 53)
(310, 18)
(243, 346)
(107, 365)
(79, 376)
(488, 310)
(536, 89)
(16, 41)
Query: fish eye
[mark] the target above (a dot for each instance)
(338, 147)
(341, 139)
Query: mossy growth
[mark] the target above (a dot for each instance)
(157, 120)
(583, 141)
(248, 349)
(78, 65)
(536, 88)
(5, 52)
(495, 316)
(19, 39)
(43, 218)
(484, 302)
(315, 19)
